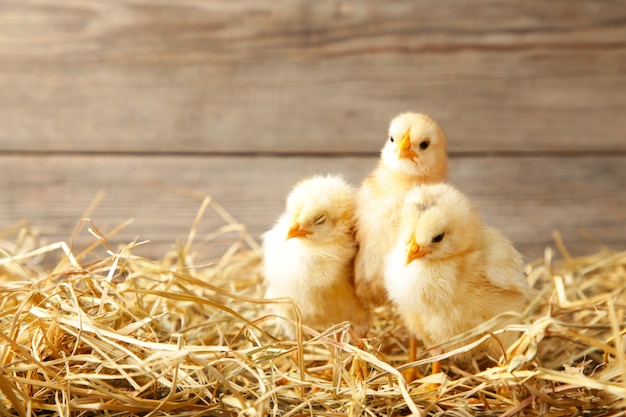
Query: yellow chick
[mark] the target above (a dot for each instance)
(309, 254)
(414, 154)
(448, 272)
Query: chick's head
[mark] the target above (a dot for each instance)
(438, 222)
(320, 210)
(416, 147)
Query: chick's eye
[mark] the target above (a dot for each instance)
(321, 219)
(391, 138)
(424, 144)
(439, 237)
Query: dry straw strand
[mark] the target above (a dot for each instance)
(126, 335)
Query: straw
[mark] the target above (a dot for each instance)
(181, 335)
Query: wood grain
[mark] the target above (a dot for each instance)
(309, 76)
(528, 198)
(239, 100)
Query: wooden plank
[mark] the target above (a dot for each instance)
(309, 76)
(527, 198)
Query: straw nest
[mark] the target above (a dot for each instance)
(104, 331)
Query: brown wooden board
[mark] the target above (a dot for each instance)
(309, 76)
(526, 197)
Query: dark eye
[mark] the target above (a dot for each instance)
(391, 138)
(424, 144)
(439, 237)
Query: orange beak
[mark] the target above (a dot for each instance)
(405, 148)
(295, 231)
(413, 251)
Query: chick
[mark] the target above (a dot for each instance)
(415, 153)
(309, 254)
(448, 272)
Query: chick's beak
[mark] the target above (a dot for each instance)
(405, 148)
(296, 231)
(413, 251)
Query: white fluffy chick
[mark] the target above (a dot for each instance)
(415, 153)
(309, 254)
(448, 272)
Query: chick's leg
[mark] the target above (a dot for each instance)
(413, 373)
(436, 367)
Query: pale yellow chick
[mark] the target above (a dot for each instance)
(448, 272)
(309, 254)
(415, 153)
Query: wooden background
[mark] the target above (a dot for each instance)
(240, 99)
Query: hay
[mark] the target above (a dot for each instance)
(107, 332)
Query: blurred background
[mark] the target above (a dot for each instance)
(160, 103)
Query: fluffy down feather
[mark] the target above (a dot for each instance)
(309, 253)
(415, 153)
(448, 272)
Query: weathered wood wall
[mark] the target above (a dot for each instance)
(241, 99)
